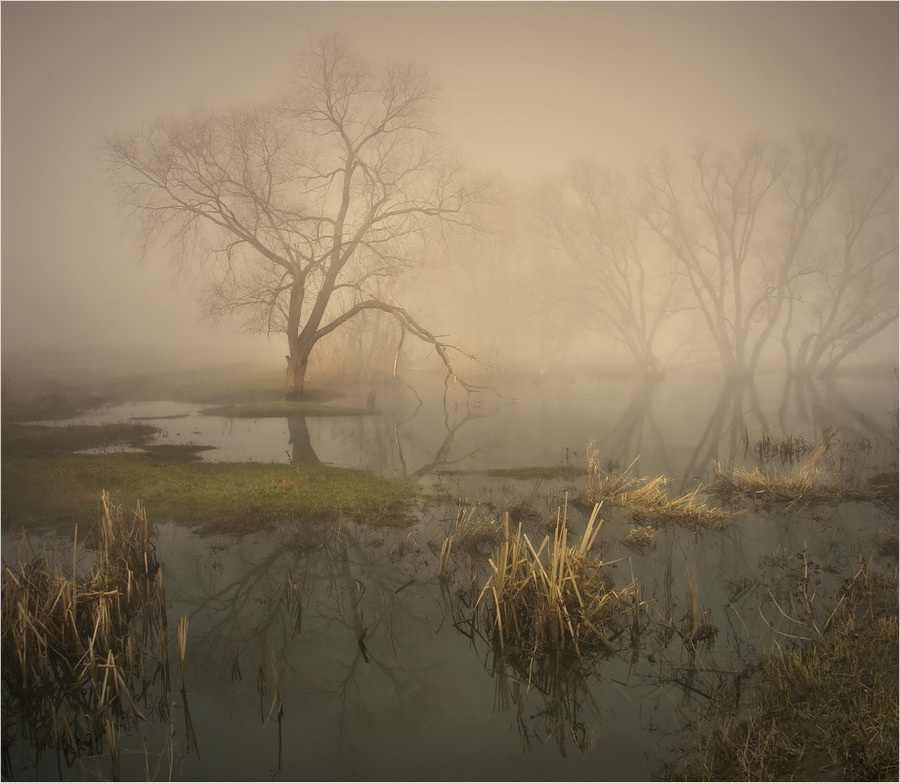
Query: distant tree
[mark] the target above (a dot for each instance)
(739, 225)
(610, 279)
(850, 293)
(299, 212)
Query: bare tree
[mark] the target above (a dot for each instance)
(738, 224)
(300, 210)
(612, 278)
(851, 295)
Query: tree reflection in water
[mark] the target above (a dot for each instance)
(324, 650)
(394, 443)
(725, 419)
(361, 599)
(302, 451)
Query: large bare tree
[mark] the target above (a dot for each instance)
(301, 213)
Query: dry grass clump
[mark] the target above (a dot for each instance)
(521, 511)
(475, 529)
(553, 597)
(71, 662)
(640, 537)
(815, 479)
(650, 502)
(646, 497)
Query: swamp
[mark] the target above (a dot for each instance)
(450, 391)
(579, 576)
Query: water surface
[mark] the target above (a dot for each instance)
(379, 675)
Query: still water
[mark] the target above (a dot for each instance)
(677, 427)
(373, 672)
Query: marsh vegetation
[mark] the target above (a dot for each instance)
(558, 607)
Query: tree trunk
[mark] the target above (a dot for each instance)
(297, 363)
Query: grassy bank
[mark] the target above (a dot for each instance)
(46, 484)
(59, 489)
(827, 708)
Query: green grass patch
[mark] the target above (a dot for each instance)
(60, 489)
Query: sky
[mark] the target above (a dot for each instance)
(526, 88)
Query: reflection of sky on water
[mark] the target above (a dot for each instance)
(678, 427)
(428, 695)
(426, 700)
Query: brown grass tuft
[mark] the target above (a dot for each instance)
(815, 479)
(646, 498)
(71, 662)
(552, 597)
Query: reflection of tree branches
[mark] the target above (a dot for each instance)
(626, 437)
(726, 428)
(246, 606)
(368, 599)
(829, 406)
(349, 584)
(441, 457)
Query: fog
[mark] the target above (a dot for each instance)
(526, 90)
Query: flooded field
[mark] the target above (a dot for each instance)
(341, 651)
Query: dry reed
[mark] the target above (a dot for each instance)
(551, 598)
(645, 498)
(72, 658)
(816, 478)
(295, 604)
(183, 625)
(474, 531)
(696, 625)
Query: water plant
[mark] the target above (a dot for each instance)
(645, 498)
(696, 625)
(827, 706)
(640, 537)
(550, 616)
(79, 645)
(788, 448)
(553, 597)
(815, 479)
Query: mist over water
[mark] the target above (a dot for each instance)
(680, 426)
